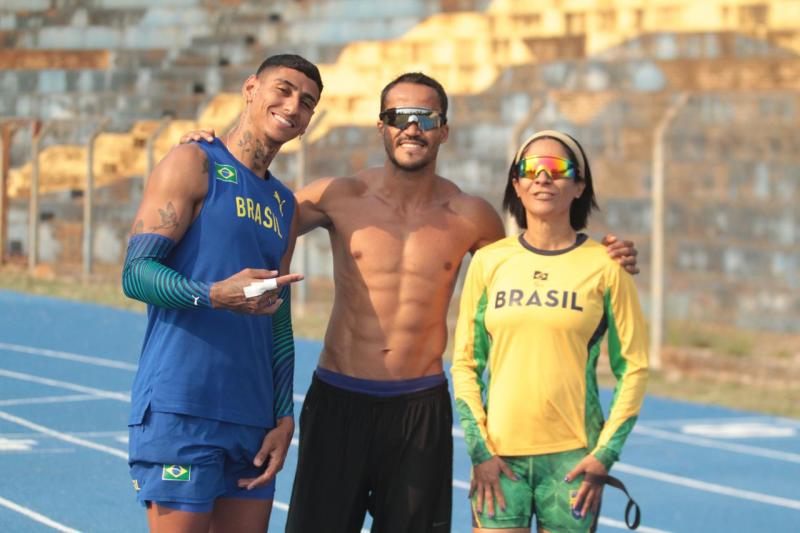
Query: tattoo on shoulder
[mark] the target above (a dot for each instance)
(169, 218)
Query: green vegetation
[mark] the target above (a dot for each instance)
(780, 401)
(719, 339)
(101, 292)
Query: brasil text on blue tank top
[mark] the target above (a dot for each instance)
(214, 363)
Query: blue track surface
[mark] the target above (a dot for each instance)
(65, 375)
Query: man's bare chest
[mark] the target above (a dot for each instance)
(377, 239)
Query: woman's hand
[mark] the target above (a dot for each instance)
(486, 484)
(591, 490)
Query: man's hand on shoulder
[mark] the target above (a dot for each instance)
(206, 134)
(623, 252)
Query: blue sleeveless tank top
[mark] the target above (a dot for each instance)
(214, 363)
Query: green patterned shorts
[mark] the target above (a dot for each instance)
(539, 490)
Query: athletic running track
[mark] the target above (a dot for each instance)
(65, 375)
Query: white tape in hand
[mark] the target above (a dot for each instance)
(257, 288)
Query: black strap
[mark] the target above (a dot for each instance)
(617, 484)
(637, 512)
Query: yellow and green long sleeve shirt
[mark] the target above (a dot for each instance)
(534, 320)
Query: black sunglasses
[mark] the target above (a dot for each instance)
(403, 117)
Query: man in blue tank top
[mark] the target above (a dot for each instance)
(212, 408)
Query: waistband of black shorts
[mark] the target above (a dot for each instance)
(432, 391)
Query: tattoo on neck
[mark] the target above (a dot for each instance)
(262, 153)
(169, 218)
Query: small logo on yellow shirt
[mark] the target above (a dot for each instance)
(540, 275)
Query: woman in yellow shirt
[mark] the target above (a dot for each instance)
(533, 312)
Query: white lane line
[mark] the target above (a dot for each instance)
(616, 524)
(63, 436)
(36, 517)
(280, 505)
(723, 420)
(67, 356)
(66, 385)
(43, 451)
(458, 432)
(711, 443)
(101, 434)
(50, 399)
(708, 487)
(459, 484)
(79, 442)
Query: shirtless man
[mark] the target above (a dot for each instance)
(375, 429)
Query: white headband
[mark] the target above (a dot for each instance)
(564, 138)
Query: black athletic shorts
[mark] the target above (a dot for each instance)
(391, 456)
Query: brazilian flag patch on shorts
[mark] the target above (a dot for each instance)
(176, 473)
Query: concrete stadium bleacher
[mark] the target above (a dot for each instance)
(603, 71)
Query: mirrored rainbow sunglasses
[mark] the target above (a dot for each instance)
(556, 168)
(402, 117)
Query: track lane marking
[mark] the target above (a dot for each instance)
(50, 399)
(744, 449)
(708, 487)
(36, 517)
(116, 452)
(100, 393)
(67, 356)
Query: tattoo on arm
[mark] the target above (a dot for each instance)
(138, 227)
(205, 167)
(169, 218)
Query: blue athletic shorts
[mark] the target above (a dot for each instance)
(185, 462)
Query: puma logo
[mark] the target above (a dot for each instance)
(280, 202)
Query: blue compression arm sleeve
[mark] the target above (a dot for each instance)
(283, 356)
(146, 278)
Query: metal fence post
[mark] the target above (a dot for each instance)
(5, 157)
(88, 204)
(33, 205)
(657, 233)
